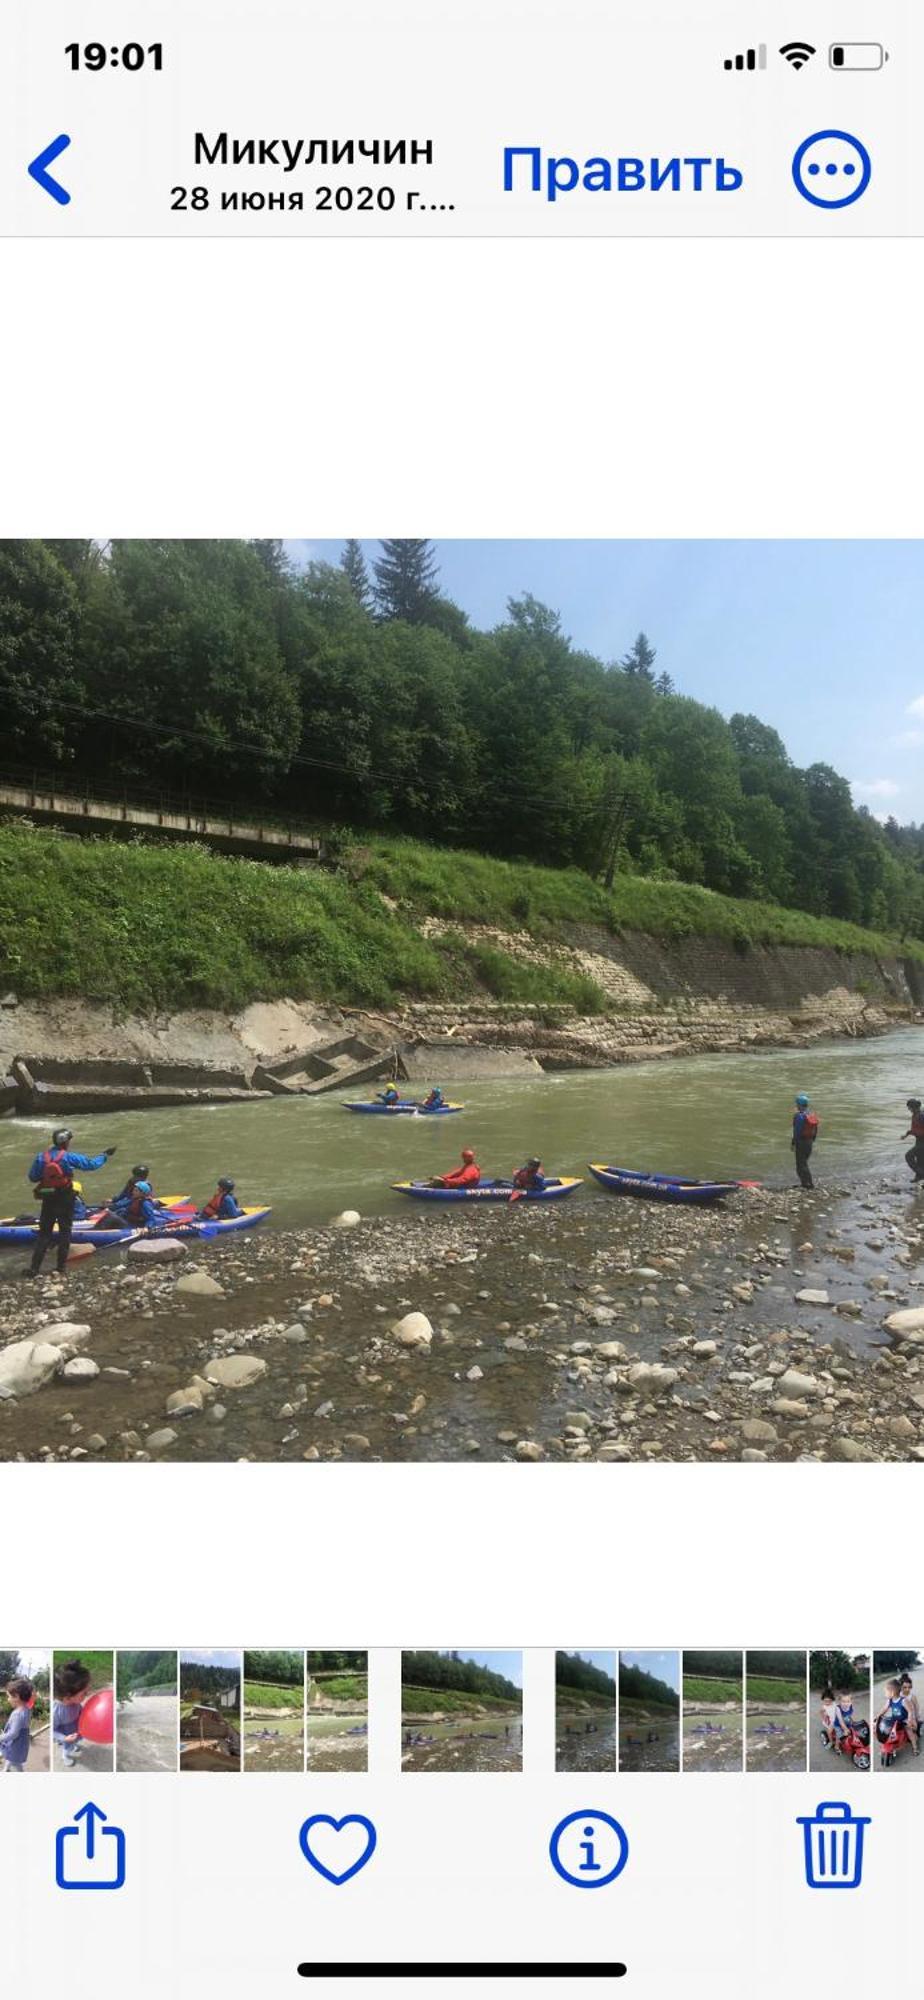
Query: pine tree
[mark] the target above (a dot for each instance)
(640, 659)
(405, 581)
(353, 565)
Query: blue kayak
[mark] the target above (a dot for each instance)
(663, 1187)
(406, 1105)
(486, 1191)
(109, 1239)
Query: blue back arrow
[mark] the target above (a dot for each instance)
(38, 169)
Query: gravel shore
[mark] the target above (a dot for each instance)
(605, 1330)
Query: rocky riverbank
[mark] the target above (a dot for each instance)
(607, 1331)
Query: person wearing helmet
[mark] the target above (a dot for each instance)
(529, 1179)
(390, 1096)
(124, 1196)
(915, 1159)
(141, 1210)
(804, 1134)
(222, 1207)
(52, 1175)
(435, 1099)
(468, 1175)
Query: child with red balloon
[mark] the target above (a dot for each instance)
(79, 1716)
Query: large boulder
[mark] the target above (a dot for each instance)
(234, 1371)
(414, 1330)
(81, 1369)
(199, 1285)
(652, 1377)
(908, 1324)
(66, 1333)
(26, 1365)
(158, 1249)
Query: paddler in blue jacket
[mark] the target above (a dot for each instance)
(435, 1100)
(52, 1174)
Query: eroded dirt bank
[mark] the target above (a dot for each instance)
(680, 997)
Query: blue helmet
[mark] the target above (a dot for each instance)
(801, 1099)
(142, 1187)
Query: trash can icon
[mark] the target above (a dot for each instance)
(833, 1846)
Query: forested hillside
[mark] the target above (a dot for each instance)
(215, 668)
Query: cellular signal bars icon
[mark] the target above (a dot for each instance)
(749, 59)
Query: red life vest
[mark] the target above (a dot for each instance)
(917, 1125)
(135, 1209)
(55, 1177)
(213, 1208)
(810, 1126)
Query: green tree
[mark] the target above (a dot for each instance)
(405, 581)
(354, 567)
(39, 683)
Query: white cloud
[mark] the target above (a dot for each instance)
(876, 788)
(916, 707)
(909, 739)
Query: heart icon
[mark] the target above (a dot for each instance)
(337, 1848)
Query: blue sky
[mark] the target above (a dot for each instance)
(508, 1664)
(219, 1659)
(664, 1666)
(825, 640)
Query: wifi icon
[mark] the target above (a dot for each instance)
(797, 53)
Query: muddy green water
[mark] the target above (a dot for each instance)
(585, 1742)
(775, 1739)
(698, 1115)
(481, 1743)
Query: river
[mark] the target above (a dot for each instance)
(721, 1115)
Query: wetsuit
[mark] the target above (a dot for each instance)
(915, 1159)
(52, 1173)
(804, 1130)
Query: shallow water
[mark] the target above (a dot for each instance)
(713, 1740)
(721, 1115)
(635, 1751)
(338, 1742)
(775, 1740)
(146, 1733)
(584, 1742)
(273, 1742)
(469, 1743)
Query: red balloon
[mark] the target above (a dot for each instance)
(96, 1718)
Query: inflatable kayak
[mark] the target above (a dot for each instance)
(23, 1229)
(195, 1226)
(663, 1187)
(487, 1190)
(405, 1104)
(182, 1221)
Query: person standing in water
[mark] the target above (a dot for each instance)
(52, 1175)
(804, 1134)
(915, 1159)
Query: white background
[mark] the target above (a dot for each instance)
(471, 390)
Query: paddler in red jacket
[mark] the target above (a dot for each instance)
(468, 1175)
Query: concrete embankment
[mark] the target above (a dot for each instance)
(660, 998)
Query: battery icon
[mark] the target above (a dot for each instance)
(857, 55)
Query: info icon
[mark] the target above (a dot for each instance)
(589, 1849)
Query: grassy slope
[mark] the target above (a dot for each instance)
(771, 1692)
(452, 1701)
(159, 926)
(707, 1691)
